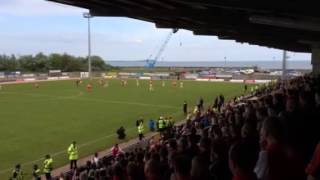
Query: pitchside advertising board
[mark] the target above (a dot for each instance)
(84, 74)
(55, 73)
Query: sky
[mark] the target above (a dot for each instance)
(33, 26)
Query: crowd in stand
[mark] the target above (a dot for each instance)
(272, 137)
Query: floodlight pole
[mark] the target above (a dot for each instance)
(284, 65)
(88, 16)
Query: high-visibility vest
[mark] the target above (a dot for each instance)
(140, 128)
(17, 175)
(161, 124)
(47, 165)
(73, 152)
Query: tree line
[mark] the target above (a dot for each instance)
(43, 63)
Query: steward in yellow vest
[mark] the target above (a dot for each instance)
(73, 155)
(48, 167)
(140, 130)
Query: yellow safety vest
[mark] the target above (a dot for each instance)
(73, 152)
(161, 123)
(140, 128)
(47, 165)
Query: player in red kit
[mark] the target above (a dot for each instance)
(89, 87)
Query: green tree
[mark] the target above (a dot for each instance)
(43, 63)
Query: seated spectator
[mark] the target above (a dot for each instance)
(61, 177)
(152, 170)
(313, 168)
(219, 168)
(204, 150)
(76, 174)
(181, 168)
(242, 162)
(118, 172)
(282, 162)
(172, 146)
(132, 171)
(200, 168)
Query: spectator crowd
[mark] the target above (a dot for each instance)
(273, 136)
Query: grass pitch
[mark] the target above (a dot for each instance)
(45, 120)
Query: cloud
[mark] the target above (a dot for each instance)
(37, 8)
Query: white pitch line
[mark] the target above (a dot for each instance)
(64, 151)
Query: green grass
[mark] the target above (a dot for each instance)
(35, 122)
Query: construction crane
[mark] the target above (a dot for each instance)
(150, 63)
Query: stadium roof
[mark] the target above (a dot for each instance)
(283, 24)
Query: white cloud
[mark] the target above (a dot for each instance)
(37, 8)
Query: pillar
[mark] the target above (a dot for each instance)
(315, 60)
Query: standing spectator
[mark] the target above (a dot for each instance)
(181, 168)
(219, 168)
(95, 159)
(221, 102)
(282, 162)
(132, 171)
(17, 173)
(139, 121)
(216, 102)
(121, 132)
(242, 162)
(116, 150)
(73, 155)
(199, 169)
(152, 170)
(36, 172)
(245, 88)
(200, 105)
(185, 108)
(48, 167)
(151, 125)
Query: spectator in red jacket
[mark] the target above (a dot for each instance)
(116, 150)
